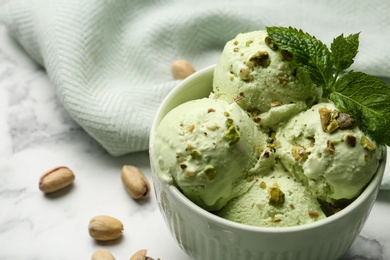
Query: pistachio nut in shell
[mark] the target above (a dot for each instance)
(181, 69)
(141, 255)
(135, 182)
(56, 179)
(105, 228)
(102, 254)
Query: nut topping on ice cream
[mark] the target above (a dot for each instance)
(345, 121)
(260, 58)
(276, 195)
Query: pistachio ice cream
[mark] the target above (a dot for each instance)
(265, 148)
(325, 150)
(258, 77)
(275, 199)
(208, 147)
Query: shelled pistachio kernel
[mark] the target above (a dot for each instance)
(105, 228)
(56, 179)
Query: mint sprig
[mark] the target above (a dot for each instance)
(363, 96)
(312, 55)
(344, 50)
(368, 100)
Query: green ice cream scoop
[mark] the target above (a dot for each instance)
(324, 149)
(258, 76)
(206, 147)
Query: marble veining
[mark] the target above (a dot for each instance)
(37, 134)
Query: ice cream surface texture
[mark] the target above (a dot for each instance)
(251, 72)
(274, 200)
(208, 147)
(332, 157)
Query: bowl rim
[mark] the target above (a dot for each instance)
(372, 186)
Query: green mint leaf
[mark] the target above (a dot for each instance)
(344, 50)
(309, 53)
(368, 100)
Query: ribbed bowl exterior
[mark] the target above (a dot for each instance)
(205, 236)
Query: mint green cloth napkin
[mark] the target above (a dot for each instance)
(109, 60)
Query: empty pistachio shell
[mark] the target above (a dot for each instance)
(181, 69)
(56, 179)
(135, 182)
(104, 228)
(102, 254)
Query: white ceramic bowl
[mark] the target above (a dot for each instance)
(204, 236)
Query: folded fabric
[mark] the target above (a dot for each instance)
(109, 60)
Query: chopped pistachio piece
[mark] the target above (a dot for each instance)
(191, 128)
(351, 140)
(270, 44)
(229, 122)
(332, 126)
(346, 121)
(232, 135)
(367, 144)
(276, 195)
(313, 214)
(210, 172)
(324, 117)
(330, 147)
(249, 43)
(195, 154)
(260, 58)
(299, 153)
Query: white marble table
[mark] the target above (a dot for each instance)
(36, 134)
